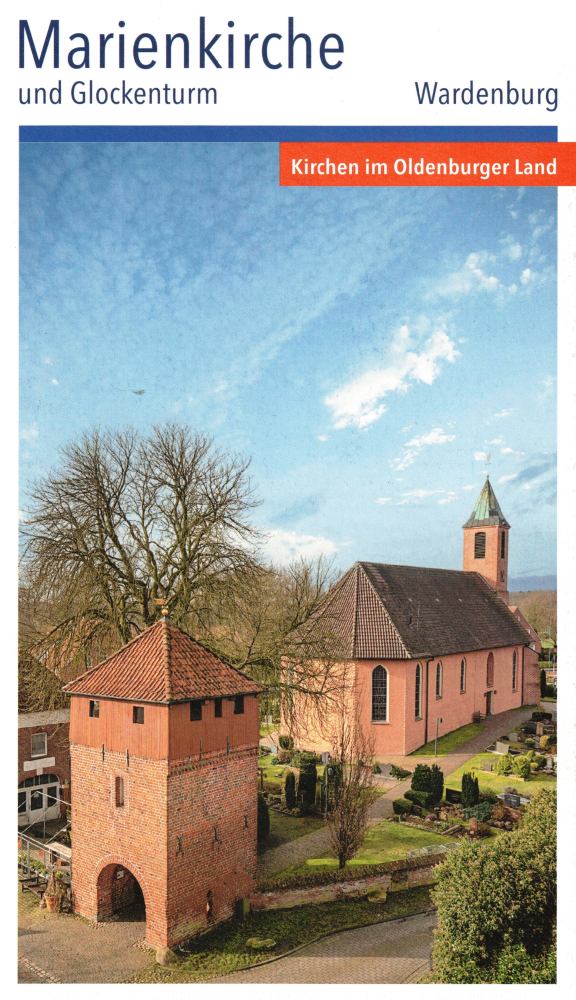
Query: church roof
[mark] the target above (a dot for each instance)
(162, 665)
(487, 510)
(378, 611)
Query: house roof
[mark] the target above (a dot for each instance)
(487, 510)
(54, 717)
(405, 612)
(162, 665)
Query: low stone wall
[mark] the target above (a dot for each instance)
(400, 876)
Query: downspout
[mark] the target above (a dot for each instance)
(428, 662)
(522, 686)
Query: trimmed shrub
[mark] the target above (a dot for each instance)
(543, 684)
(489, 796)
(437, 779)
(307, 786)
(422, 778)
(290, 790)
(504, 765)
(424, 799)
(376, 769)
(482, 812)
(263, 827)
(402, 807)
(521, 767)
(470, 790)
(304, 758)
(286, 742)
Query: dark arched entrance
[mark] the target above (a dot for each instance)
(120, 895)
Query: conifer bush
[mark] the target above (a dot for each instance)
(290, 790)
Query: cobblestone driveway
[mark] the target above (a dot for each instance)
(394, 952)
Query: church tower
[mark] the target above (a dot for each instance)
(164, 752)
(486, 541)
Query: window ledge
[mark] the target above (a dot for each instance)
(380, 722)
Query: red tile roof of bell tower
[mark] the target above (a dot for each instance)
(162, 664)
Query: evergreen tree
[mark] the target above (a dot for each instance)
(437, 782)
(422, 778)
(290, 790)
(543, 684)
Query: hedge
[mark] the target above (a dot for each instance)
(328, 876)
(424, 799)
(402, 807)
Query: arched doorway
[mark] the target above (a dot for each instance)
(120, 895)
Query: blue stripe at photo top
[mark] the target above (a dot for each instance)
(285, 133)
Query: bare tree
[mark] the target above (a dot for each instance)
(265, 629)
(348, 821)
(125, 521)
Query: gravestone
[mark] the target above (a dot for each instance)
(501, 747)
(513, 737)
(539, 729)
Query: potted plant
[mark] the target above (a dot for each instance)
(53, 894)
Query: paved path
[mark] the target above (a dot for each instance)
(394, 952)
(314, 844)
(60, 948)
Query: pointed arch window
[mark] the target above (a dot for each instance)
(379, 694)
(439, 672)
(490, 670)
(418, 693)
(462, 675)
(514, 671)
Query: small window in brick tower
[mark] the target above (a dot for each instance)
(196, 711)
(39, 745)
(138, 714)
(480, 545)
(119, 791)
(239, 704)
(503, 545)
(218, 708)
(94, 711)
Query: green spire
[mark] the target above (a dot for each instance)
(487, 510)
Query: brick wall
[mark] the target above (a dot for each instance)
(212, 807)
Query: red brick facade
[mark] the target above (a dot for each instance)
(165, 806)
(56, 759)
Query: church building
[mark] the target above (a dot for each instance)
(426, 651)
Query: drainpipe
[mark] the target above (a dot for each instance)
(428, 662)
(522, 685)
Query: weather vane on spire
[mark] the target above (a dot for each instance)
(487, 460)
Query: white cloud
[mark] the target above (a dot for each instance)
(512, 249)
(501, 414)
(411, 497)
(469, 486)
(30, 433)
(481, 456)
(54, 381)
(361, 402)
(473, 276)
(512, 451)
(283, 547)
(48, 361)
(527, 276)
(322, 437)
(497, 440)
(413, 447)
(508, 478)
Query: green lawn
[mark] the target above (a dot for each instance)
(451, 741)
(225, 949)
(383, 842)
(498, 782)
(285, 828)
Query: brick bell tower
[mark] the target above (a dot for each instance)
(486, 541)
(163, 744)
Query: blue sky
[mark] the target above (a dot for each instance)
(367, 348)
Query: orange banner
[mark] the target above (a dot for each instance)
(455, 164)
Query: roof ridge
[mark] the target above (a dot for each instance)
(385, 610)
(355, 622)
(167, 658)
